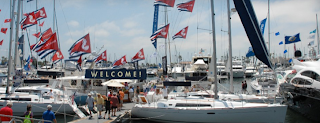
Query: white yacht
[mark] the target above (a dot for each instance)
(250, 70)
(221, 70)
(39, 99)
(237, 69)
(208, 111)
(177, 72)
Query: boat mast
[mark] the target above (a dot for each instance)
(214, 51)
(10, 47)
(230, 46)
(317, 32)
(269, 27)
(17, 54)
(165, 41)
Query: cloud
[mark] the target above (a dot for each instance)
(73, 23)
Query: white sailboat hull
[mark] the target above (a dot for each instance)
(19, 108)
(246, 115)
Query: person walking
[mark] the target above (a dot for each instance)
(6, 111)
(245, 86)
(114, 104)
(90, 104)
(49, 115)
(107, 107)
(28, 114)
(137, 92)
(100, 102)
(131, 92)
(121, 93)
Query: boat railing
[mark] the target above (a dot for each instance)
(17, 119)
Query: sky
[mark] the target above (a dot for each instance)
(123, 27)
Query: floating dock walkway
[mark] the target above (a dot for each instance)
(121, 116)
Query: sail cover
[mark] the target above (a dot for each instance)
(251, 26)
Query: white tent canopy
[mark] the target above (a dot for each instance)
(113, 83)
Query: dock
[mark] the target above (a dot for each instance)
(121, 116)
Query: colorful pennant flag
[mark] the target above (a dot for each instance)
(7, 20)
(1, 42)
(314, 31)
(41, 24)
(281, 42)
(187, 6)
(181, 34)
(292, 39)
(277, 33)
(37, 34)
(4, 30)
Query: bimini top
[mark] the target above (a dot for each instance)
(176, 83)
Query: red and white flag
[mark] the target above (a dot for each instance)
(40, 14)
(57, 57)
(4, 30)
(181, 34)
(1, 42)
(168, 3)
(139, 56)
(80, 47)
(161, 32)
(7, 20)
(120, 62)
(41, 24)
(101, 57)
(187, 6)
(30, 20)
(37, 34)
(51, 43)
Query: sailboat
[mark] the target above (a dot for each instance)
(206, 110)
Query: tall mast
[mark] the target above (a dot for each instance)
(17, 37)
(165, 41)
(317, 32)
(230, 47)
(214, 60)
(10, 47)
(54, 15)
(269, 27)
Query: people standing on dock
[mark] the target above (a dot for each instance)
(131, 91)
(115, 102)
(28, 114)
(137, 92)
(245, 86)
(121, 93)
(49, 115)
(90, 103)
(100, 102)
(242, 87)
(6, 111)
(107, 107)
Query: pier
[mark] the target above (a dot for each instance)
(121, 116)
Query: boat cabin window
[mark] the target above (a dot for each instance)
(290, 76)
(310, 74)
(300, 81)
(191, 105)
(17, 99)
(73, 82)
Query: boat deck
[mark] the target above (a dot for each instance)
(121, 116)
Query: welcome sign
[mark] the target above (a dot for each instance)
(116, 74)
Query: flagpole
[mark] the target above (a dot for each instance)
(317, 32)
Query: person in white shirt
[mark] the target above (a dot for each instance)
(90, 103)
(51, 94)
(131, 93)
(164, 92)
